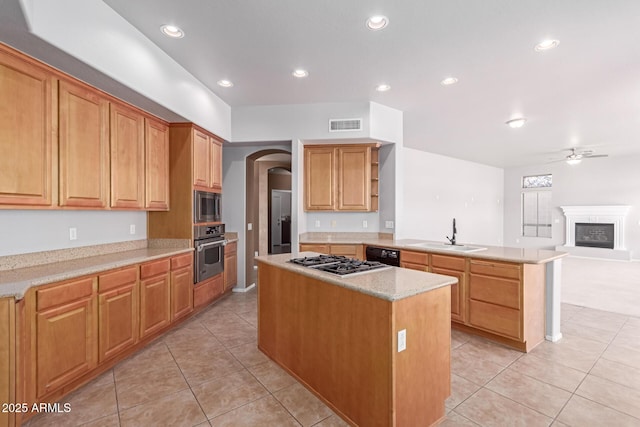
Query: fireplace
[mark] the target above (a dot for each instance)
(595, 235)
(596, 231)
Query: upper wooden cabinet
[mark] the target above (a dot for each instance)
(127, 157)
(319, 178)
(341, 177)
(207, 161)
(84, 146)
(28, 115)
(156, 180)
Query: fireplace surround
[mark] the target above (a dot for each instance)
(604, 228)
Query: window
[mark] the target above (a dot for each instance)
(536, 205)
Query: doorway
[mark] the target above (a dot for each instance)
(280, 222)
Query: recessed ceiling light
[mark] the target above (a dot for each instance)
(383, 87)
(377, 22)
(172, 31)
(546, 45)
(225, 83)
(516, 123)
(449, 81)
(300, 73)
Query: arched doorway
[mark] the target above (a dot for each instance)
(257, 204)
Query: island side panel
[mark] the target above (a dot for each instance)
(533, 304)
(423, 370)
(334, 340)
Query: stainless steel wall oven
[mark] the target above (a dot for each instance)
(209, 243)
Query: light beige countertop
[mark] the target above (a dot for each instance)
(498, 253)
(390, 284)
(14, 283)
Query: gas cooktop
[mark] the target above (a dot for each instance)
(338, 265)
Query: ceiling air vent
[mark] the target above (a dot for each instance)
(344, 125)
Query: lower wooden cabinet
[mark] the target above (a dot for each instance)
(208, 290)
(181, 286)
(414, 260)
(230, 265)
(117, 311)
(65, 328)
(456, 267)
(155, 296)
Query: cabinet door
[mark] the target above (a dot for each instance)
(319, 185)
(216, 165)
(353, 178)
(65, 344)
(117, 311)
(201, 159)
(230, 265)
(181, 292)
(156, 138)
(84, 146)
(27, 116)
(457, 293)
(127, 157)
(155, 312)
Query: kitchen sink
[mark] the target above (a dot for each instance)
(448, 247)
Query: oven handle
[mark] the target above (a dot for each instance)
(217, 242)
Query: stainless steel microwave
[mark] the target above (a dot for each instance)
(207, 207)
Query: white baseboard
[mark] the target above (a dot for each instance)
(242, 290)
(553, 338)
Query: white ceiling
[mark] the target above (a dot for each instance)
(584, 93)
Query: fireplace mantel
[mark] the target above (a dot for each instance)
(597, 214)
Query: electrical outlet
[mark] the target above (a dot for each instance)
(317, 223)
(256, 253)
(364, 223)
(132, 229)
(73, 233)
(333, 223)
(249, 226)
(402, 340)
(388, 224)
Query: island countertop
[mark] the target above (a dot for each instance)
(497, 253)
(390, 284)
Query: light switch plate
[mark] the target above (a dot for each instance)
(249, 226)
(364, 223)
(132, 229)
(402, 340)
(73, 233)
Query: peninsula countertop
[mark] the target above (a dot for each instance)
(14, 283)
(390, 284)
(498, 253)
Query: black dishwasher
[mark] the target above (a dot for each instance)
(383, 255)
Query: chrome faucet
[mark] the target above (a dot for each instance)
(452, 240)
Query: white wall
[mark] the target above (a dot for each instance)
(34, 231)
(234, 182)
(92, 32)
(602, 181)
(437, 189)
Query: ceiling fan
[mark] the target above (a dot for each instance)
(576, 156)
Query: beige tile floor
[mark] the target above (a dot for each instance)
(209, 372)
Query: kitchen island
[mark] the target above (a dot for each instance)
(339, 336)
(509, 295)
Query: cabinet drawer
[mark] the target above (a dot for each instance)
(410, 266)
(154, 268)
(346, 250)
(414, 257)
(501, 320)
(499, 269)
(448, 262)
(310, 247)
(181, 261)
(495, 290)
(117, 278)
(231, 248)
(64, 293)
